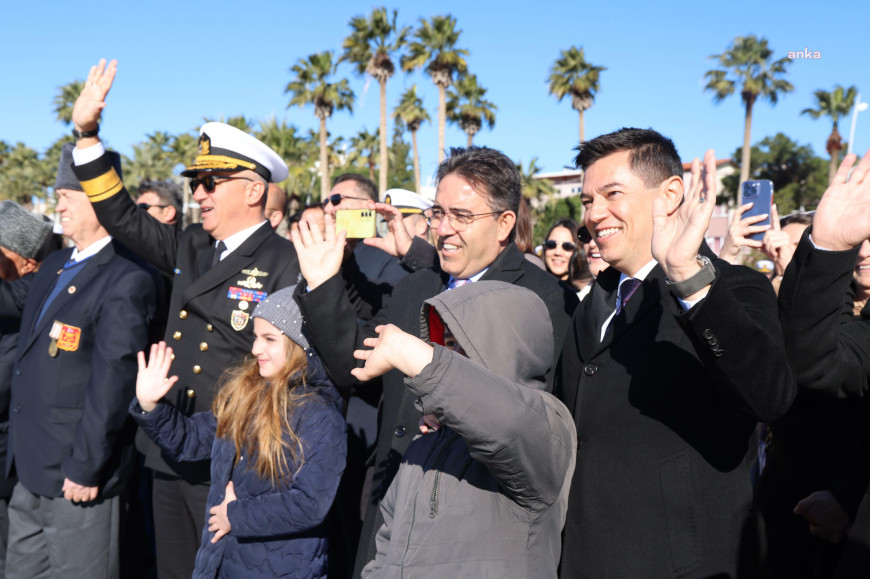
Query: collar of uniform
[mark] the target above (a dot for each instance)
(90, 250)
(237, 239)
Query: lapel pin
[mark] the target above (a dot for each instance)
(72, 289)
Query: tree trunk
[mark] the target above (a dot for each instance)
(416, 163)
(384, 165)
(747, 145)
(582, 127)
(442, 116)
(832, 168)
(371, 172)
(470, 139)
(324, 162)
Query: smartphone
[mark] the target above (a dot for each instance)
(760, 194)
(359, 223)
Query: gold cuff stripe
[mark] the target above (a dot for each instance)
(220, 161)
(102, 187)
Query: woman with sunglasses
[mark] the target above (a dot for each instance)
(560, 249)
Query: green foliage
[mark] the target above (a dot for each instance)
(401, 167)
(799, 176)
(572, 75)
(364, 150)
(311, 86)
(466, 106)
(835, 104)
(410, 113)
(434, 47)
(372, 41)
(65, 99)
(544, 217)
(747, 64)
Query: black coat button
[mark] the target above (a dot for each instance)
(719, 353)
(708, 334)
(590, 369)
(399, 431)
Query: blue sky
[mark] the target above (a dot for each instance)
(182, 61)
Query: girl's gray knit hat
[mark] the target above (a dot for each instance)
(282, 311)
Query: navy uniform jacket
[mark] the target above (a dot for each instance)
(666, 408)
(209, 325)
(68, 411)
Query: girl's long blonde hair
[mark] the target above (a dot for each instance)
(255, 414)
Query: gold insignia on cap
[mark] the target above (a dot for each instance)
(204, 144)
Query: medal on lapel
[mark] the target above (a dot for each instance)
(63, 337)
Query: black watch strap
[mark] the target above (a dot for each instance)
(697, 282)
(85, 134)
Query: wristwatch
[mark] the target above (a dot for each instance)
(85, 134)
(697, 282)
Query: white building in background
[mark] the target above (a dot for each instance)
(569, 182)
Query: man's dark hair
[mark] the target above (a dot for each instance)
(800, 218)
(490, 173)
(297, 217)
(365, 185)
(653, 157)
(168, 192)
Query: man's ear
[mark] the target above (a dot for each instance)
(673, 189)
(275, 219)
(256, 193)
(170, 213)
(506, 223)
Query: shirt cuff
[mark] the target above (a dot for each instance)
(689, 304)
(88, 154)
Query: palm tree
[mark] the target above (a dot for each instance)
(311, 86)
(434, 47)
(467, 108)
(748, 59)
(834, 104)
(369, 47)
(363, 147)
(411, 114)
(65, 99)
(572, 75)
(534, 190)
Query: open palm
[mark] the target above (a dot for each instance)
(678, 236)
(842, 219)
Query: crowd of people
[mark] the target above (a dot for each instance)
(261, 395)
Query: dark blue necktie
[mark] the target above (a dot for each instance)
(626, 290)
(70, 270)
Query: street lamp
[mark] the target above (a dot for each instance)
(859, 106)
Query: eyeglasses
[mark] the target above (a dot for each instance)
(336, 198)
(147, 206)
(566, 245)
(459, 222)
(209, 182)
(584, 235)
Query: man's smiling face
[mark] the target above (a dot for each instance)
(466, 253)
(619, 212)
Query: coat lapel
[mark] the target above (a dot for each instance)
(227, 267)
(89, 271)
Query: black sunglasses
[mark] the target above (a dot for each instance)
(209, 182)
(584, 235)
(336, 198)
(147, 206)
(566, 245)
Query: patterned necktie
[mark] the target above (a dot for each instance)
(626, 290)
(456, 282)
(218, 250)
